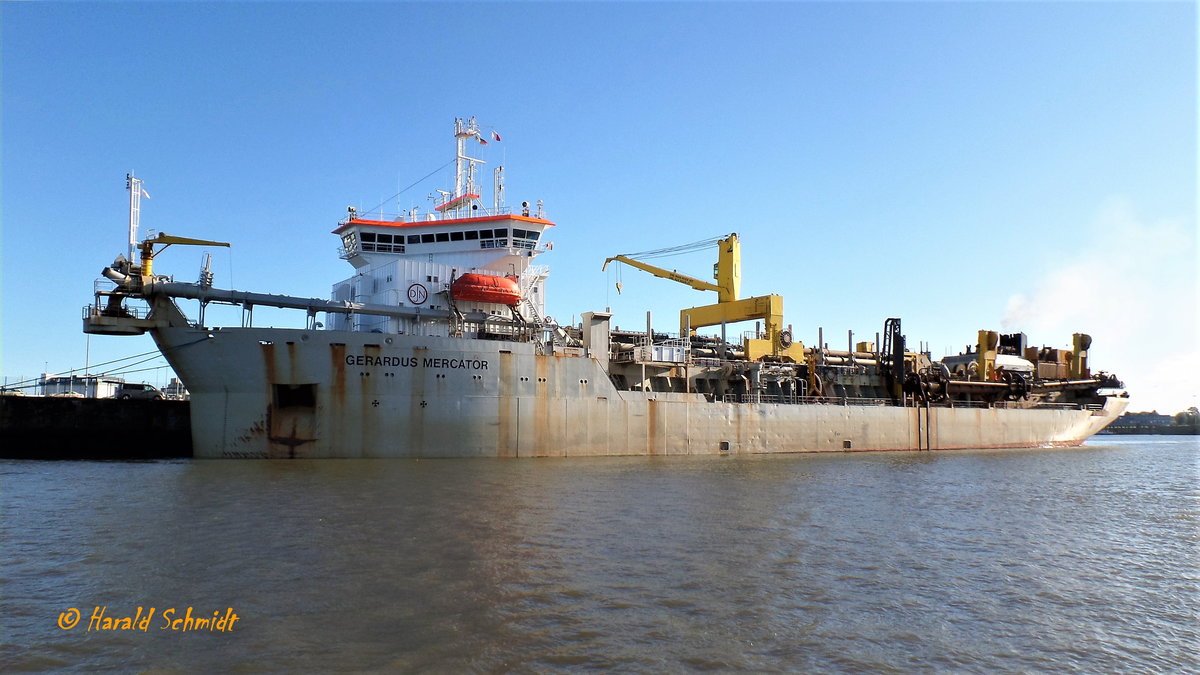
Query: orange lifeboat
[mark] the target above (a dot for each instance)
(486, 288)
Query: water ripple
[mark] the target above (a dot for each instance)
(1078, 560)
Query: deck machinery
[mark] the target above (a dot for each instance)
(769, 366)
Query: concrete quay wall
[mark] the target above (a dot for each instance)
(50, 427)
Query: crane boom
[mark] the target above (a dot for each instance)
(148, 252)
(664, 273)
(727, 271)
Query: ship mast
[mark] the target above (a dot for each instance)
(134, 185)
(498, 189)
(464, 165)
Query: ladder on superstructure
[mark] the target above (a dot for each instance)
(530, 319)
(457, 321)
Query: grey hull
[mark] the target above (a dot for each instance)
(268, 392)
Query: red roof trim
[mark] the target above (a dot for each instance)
(449, 221)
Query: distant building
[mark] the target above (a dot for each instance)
(88, 386)
(1143, 419)
(1154, 423)
(176, 390)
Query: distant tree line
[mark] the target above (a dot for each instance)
(1186, 422)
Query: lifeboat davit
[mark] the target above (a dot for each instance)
(486, 288)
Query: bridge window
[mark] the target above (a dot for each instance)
(383, 243)
(524, 238)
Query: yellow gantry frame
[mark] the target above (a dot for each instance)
(729, 308)
(989, 341)
(148, 252)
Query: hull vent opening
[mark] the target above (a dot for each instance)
(295, 395)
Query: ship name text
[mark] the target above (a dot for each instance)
(413, 362)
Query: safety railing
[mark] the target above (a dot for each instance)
(1067, 406)
(125, 311)
(969, 404)
(806, 400)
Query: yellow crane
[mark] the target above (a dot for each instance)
(148, 252)
(727, 271)
(729, 308)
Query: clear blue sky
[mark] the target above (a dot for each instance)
(1014, 166)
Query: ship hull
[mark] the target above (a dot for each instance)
(290, 393)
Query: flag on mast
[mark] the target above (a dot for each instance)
(145, 194)
(495, 136)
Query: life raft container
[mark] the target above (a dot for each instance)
(486, 288)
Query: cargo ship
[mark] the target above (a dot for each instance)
(438, 345)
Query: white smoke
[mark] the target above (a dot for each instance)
(1131, 285)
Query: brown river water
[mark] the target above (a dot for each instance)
(1075, 560)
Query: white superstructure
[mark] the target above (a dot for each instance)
(411, 260)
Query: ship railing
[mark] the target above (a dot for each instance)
(127, 311)
(806, 400)
(348, 252)
(622, 356)
(751, 335)
(103, 288)
(425, 216)
(1068, 406)
(367, 323)
(517, 333)
(1017, 405)
(867, 401)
